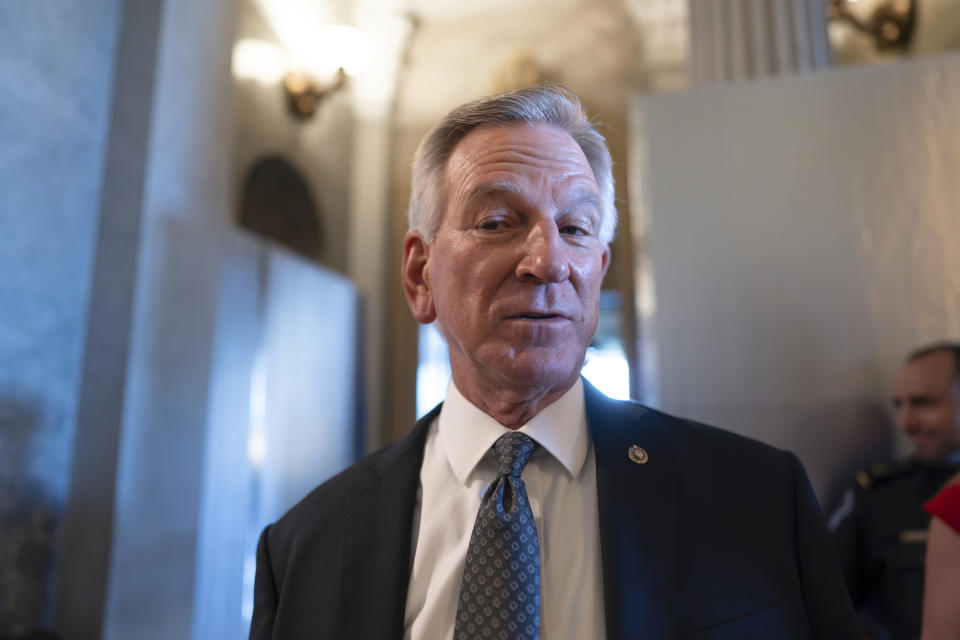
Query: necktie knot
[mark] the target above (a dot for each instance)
(513, 451)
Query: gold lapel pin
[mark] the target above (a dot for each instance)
(637, 454)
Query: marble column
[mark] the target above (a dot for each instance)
(129, 543)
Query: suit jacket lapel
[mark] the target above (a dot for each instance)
(377, 540)
(638, 518)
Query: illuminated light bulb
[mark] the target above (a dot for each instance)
(260, 61)
(334, 47)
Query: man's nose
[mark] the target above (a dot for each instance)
(544, 256)
(906, 418)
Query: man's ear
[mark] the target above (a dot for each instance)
(416, 277)
(605, 259)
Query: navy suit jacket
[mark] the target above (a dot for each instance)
(715, 536)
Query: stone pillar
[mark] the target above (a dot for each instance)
(160, 476)
(88, 517)
(132, 526)
(54, 126)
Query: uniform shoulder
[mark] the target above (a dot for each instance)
(884, 473)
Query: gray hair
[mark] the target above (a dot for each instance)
(549, 104)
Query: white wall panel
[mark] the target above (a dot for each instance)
(801, 235)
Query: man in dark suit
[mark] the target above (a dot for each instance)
(529, 505)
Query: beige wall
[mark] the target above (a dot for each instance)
(802, 235)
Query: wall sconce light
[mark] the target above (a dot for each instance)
(890, 25)
(310, 72)
(304, 93)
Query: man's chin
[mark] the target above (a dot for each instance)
(524, 372)
(929, 455)
(525, 368)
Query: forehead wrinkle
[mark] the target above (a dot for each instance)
(494, 188)
(479, 168)
(563, 150)
(564, 162)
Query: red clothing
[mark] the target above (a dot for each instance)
(946, 506)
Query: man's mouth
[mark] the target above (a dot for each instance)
(539, 316)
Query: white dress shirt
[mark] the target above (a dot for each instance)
(561, 482)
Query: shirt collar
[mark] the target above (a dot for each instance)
(467, 433)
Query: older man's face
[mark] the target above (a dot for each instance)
(513, 276)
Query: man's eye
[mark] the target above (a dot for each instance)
(573, 230)
(491, 224)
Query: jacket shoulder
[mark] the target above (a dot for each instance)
(686, 434)
(325, 505)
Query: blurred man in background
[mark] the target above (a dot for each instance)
(880, 527)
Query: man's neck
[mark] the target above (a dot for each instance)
(511, 405)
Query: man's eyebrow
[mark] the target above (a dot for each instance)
(493, 189)
(915, 398)
(586, 197)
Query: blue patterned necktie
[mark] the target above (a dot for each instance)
(500, 592)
